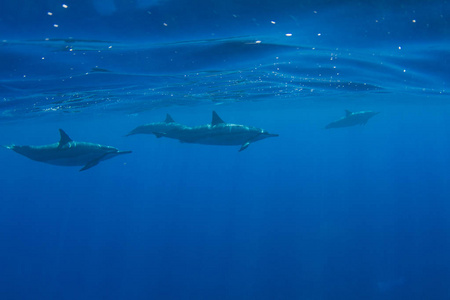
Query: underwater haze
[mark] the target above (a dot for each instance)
(355, 210)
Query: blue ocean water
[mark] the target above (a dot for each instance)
(349, 213)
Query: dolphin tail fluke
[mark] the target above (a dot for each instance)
(7, 146)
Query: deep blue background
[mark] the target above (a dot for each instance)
(352, 213)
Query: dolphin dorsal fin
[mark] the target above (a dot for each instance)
(168, 119)
(216, 119)
(64, 138)
(347, 113)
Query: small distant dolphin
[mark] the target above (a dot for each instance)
(68, 152)
(169, 128)
(352, 119)
(221, 133)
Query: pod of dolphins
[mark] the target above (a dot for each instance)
(67, 152)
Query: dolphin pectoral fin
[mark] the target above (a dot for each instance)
(244, 146)
(93, 162)
(159, 134)
(90, 164)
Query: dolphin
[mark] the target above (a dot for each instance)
(169, 128)
(221, 133)
(352, 119)
(68, 152)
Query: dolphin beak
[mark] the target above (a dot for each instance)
(272, 134)
(124, 152)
